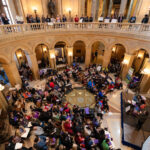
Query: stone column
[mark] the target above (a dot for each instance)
(34, 66)
(60, 7)
(110, 7)
(88, 56)
(12, 73)
(122, 7)
(145, 84)
(70, 55)
(130, 9)
(3, 102)
(145, 81)
(104, 8)
(126, 65)
(52, 59)
(107, 57)
(97, 10)
(81, 8)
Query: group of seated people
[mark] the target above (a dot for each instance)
(53, 122)
(137, 108)
(25, 72)
(114, 66)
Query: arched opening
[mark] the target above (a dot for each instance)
(3, 76)
(117, 56)
(61, 53)
(24, 64)
(79, 51)
(42, 55)
(98, 49)
(140, 59)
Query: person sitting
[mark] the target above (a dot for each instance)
(40, 142)
(105, 144)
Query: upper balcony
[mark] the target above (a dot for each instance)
(137, 31)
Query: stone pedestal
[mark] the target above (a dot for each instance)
(12, 73)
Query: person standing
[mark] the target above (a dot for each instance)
(145, 19)
(5, 20)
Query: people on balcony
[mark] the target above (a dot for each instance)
(120, 18)
(76, 19)
(4, 18)
(132, 19)
(145, 19)
(64, 19)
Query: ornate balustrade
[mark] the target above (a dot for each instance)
(7, 31)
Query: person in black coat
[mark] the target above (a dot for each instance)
(145, 19)
(5, 20)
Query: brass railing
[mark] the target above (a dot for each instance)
(21, 29)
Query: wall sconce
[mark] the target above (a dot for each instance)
(52, 56)
(113, 49)
(125, 62)
(1, 87)
(146, 71)
(35, 10)
(19, 55)
(45, 49)
(70, 54)
(140, 55)
(69, 10)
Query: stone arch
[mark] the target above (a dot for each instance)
(97, 40)
(119, 42)
(79, 39)
(60, 40)
(41, 42)
(4, 59)
(22, 47)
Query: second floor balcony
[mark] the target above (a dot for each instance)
(11, 31)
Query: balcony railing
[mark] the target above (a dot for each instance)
(7, 31)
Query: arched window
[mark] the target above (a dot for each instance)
(6, 9)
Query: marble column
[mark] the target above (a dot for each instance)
(3, 102)
(100, 8)
(104, 8)
(52, 59)
(145, 84)
(60, 7)
(110, 8)
(88, 56)
(89, 7)
(70, 55)
(130, 9)
(97, 10)
(106, 57)
(81, 7)
(12, 73)
(33, 64)
(122, 7)
(128, 59)
(93, 10)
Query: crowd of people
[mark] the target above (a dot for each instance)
(37, 19)
(54, 122)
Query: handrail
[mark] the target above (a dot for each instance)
(7, 31)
